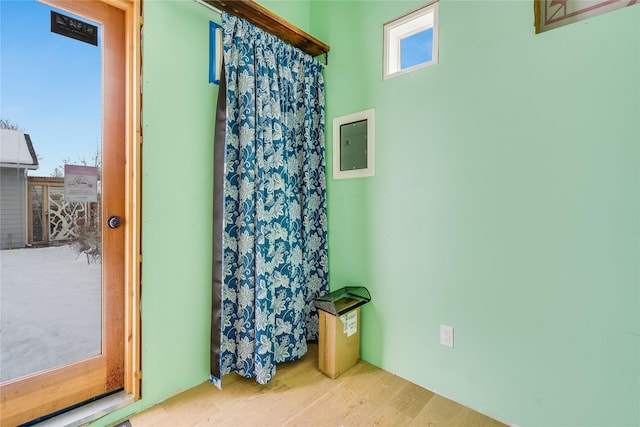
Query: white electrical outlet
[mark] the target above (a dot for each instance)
(446, 335)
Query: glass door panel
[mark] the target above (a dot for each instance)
(52, 294)
(62, 287)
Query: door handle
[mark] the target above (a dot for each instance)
(114, 221)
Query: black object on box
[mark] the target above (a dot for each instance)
(343, 300)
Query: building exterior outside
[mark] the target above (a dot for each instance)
(17, 157)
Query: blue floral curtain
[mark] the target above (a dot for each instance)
(275, 242)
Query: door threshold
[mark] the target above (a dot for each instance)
(90, 412)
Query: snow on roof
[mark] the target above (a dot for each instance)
(16, 150)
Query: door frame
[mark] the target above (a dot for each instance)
(133, 202)
(131, 182)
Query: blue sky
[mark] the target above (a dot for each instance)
(416, 49)
(49, 85)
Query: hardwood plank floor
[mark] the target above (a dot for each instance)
(299, 395)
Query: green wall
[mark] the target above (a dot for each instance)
(297, 12)
(505, 204)
(178, 107)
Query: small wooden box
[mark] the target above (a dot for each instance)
(339, 342)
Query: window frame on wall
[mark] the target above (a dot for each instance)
(411, 24)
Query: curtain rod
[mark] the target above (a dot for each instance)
(208, 6)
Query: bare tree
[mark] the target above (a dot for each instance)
(96, 160)
(8, 124)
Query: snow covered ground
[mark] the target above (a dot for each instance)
(50, 309)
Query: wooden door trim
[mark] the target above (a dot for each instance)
(133, 201)
(132, 181)
(22, 392)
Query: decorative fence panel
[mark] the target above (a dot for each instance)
(55, 220)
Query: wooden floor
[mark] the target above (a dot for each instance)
(299, 395)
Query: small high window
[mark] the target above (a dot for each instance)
(411, 41)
